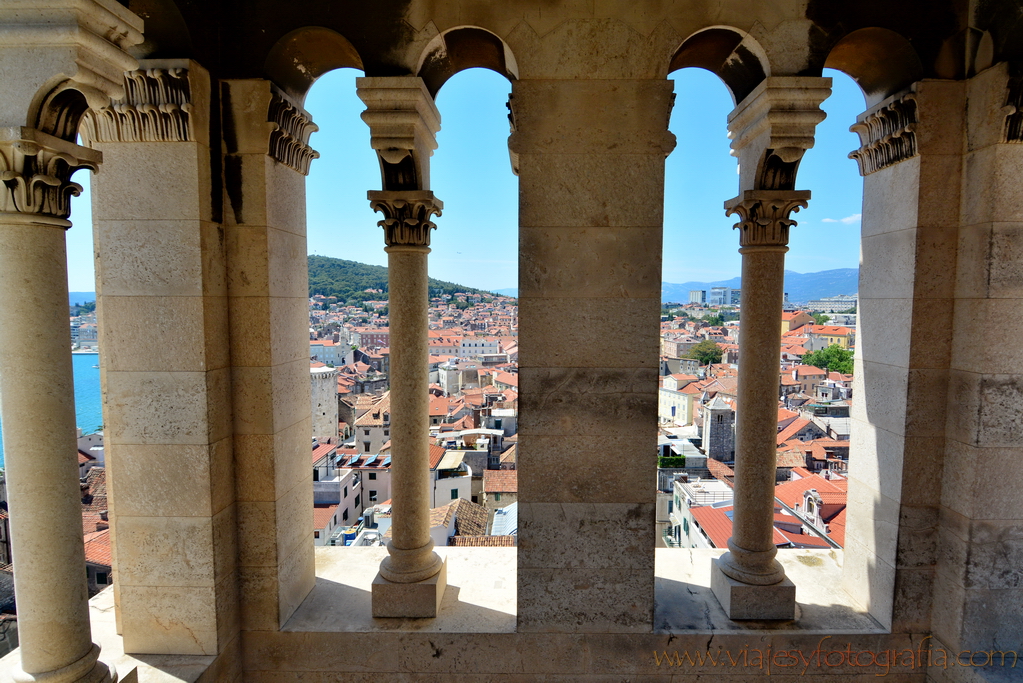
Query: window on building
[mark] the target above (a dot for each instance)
(372, 496)
(316, 474)
(356, 501)
(346, 492)
(372, 476)
(365, 446)
(366, 432)
(387, 432)
(497, 497)
(454, 494)
(344, 515)
(316, 534)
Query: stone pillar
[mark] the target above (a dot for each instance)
(404, 121)
(412, 578)
(590, 159)
(978, 584)
(747, 580)
(911, 161)
(266, 141)
(36, 382)
(162, 305)
(771, 129)
(55, 62)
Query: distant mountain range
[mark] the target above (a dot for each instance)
(801, 287)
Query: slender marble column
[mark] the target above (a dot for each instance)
(411, 558)
(38, 410)
(750, 562)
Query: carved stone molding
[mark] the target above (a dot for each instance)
(289, 138)
(36, 168)
(887, 134)
(1014, 110)
(406, 216)
(157, 107)
(773, 127)
(764, 216)
(403, 121)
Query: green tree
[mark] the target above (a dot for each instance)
(707, 352)
(821, 318)
(714, 320)
(671, 461)
(834, 359)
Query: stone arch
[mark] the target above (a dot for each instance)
(464, 47)
(734, 55)
(303, 55)
(881, 61)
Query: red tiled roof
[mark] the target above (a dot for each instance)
(97, 548)
(436, 455)
(790, 431)
(791, 492)
(321, 450)
(500, 481)
(322, 515)
(482, 541)
(836, 528)
(804, 540)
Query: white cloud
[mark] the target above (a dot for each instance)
(855, 218)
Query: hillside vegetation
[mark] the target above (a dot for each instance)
(348, 280)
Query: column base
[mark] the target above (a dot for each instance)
(99, 673)
(420, 600)
(746, 601)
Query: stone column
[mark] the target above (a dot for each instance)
(749, 582)
(404, 121)
(37, 386)
(412, 578)
(56, 61)
(771, 129)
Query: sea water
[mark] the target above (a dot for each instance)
(88, 406)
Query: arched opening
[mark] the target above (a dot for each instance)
(733, 55)
(471, 329)
(700, 318)
(879, 60)
(304, 55)
(464, 48)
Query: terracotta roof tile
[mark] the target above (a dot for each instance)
(500, 481)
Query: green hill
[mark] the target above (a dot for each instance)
(348, 280)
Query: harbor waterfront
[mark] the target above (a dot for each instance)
(88, 403)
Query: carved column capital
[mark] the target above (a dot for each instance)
(406, 216)
(887, 133)
(156, 107)
(292, 127)
(403, 121)
(764, 216)
(36, 168)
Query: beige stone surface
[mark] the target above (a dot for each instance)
(742, 601)
(419, 600)
(586, 481)
(587, 535)
(590, 262)
(568, 342)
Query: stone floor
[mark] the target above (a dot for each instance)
(481, 598)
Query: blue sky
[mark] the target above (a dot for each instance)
(476, 240)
